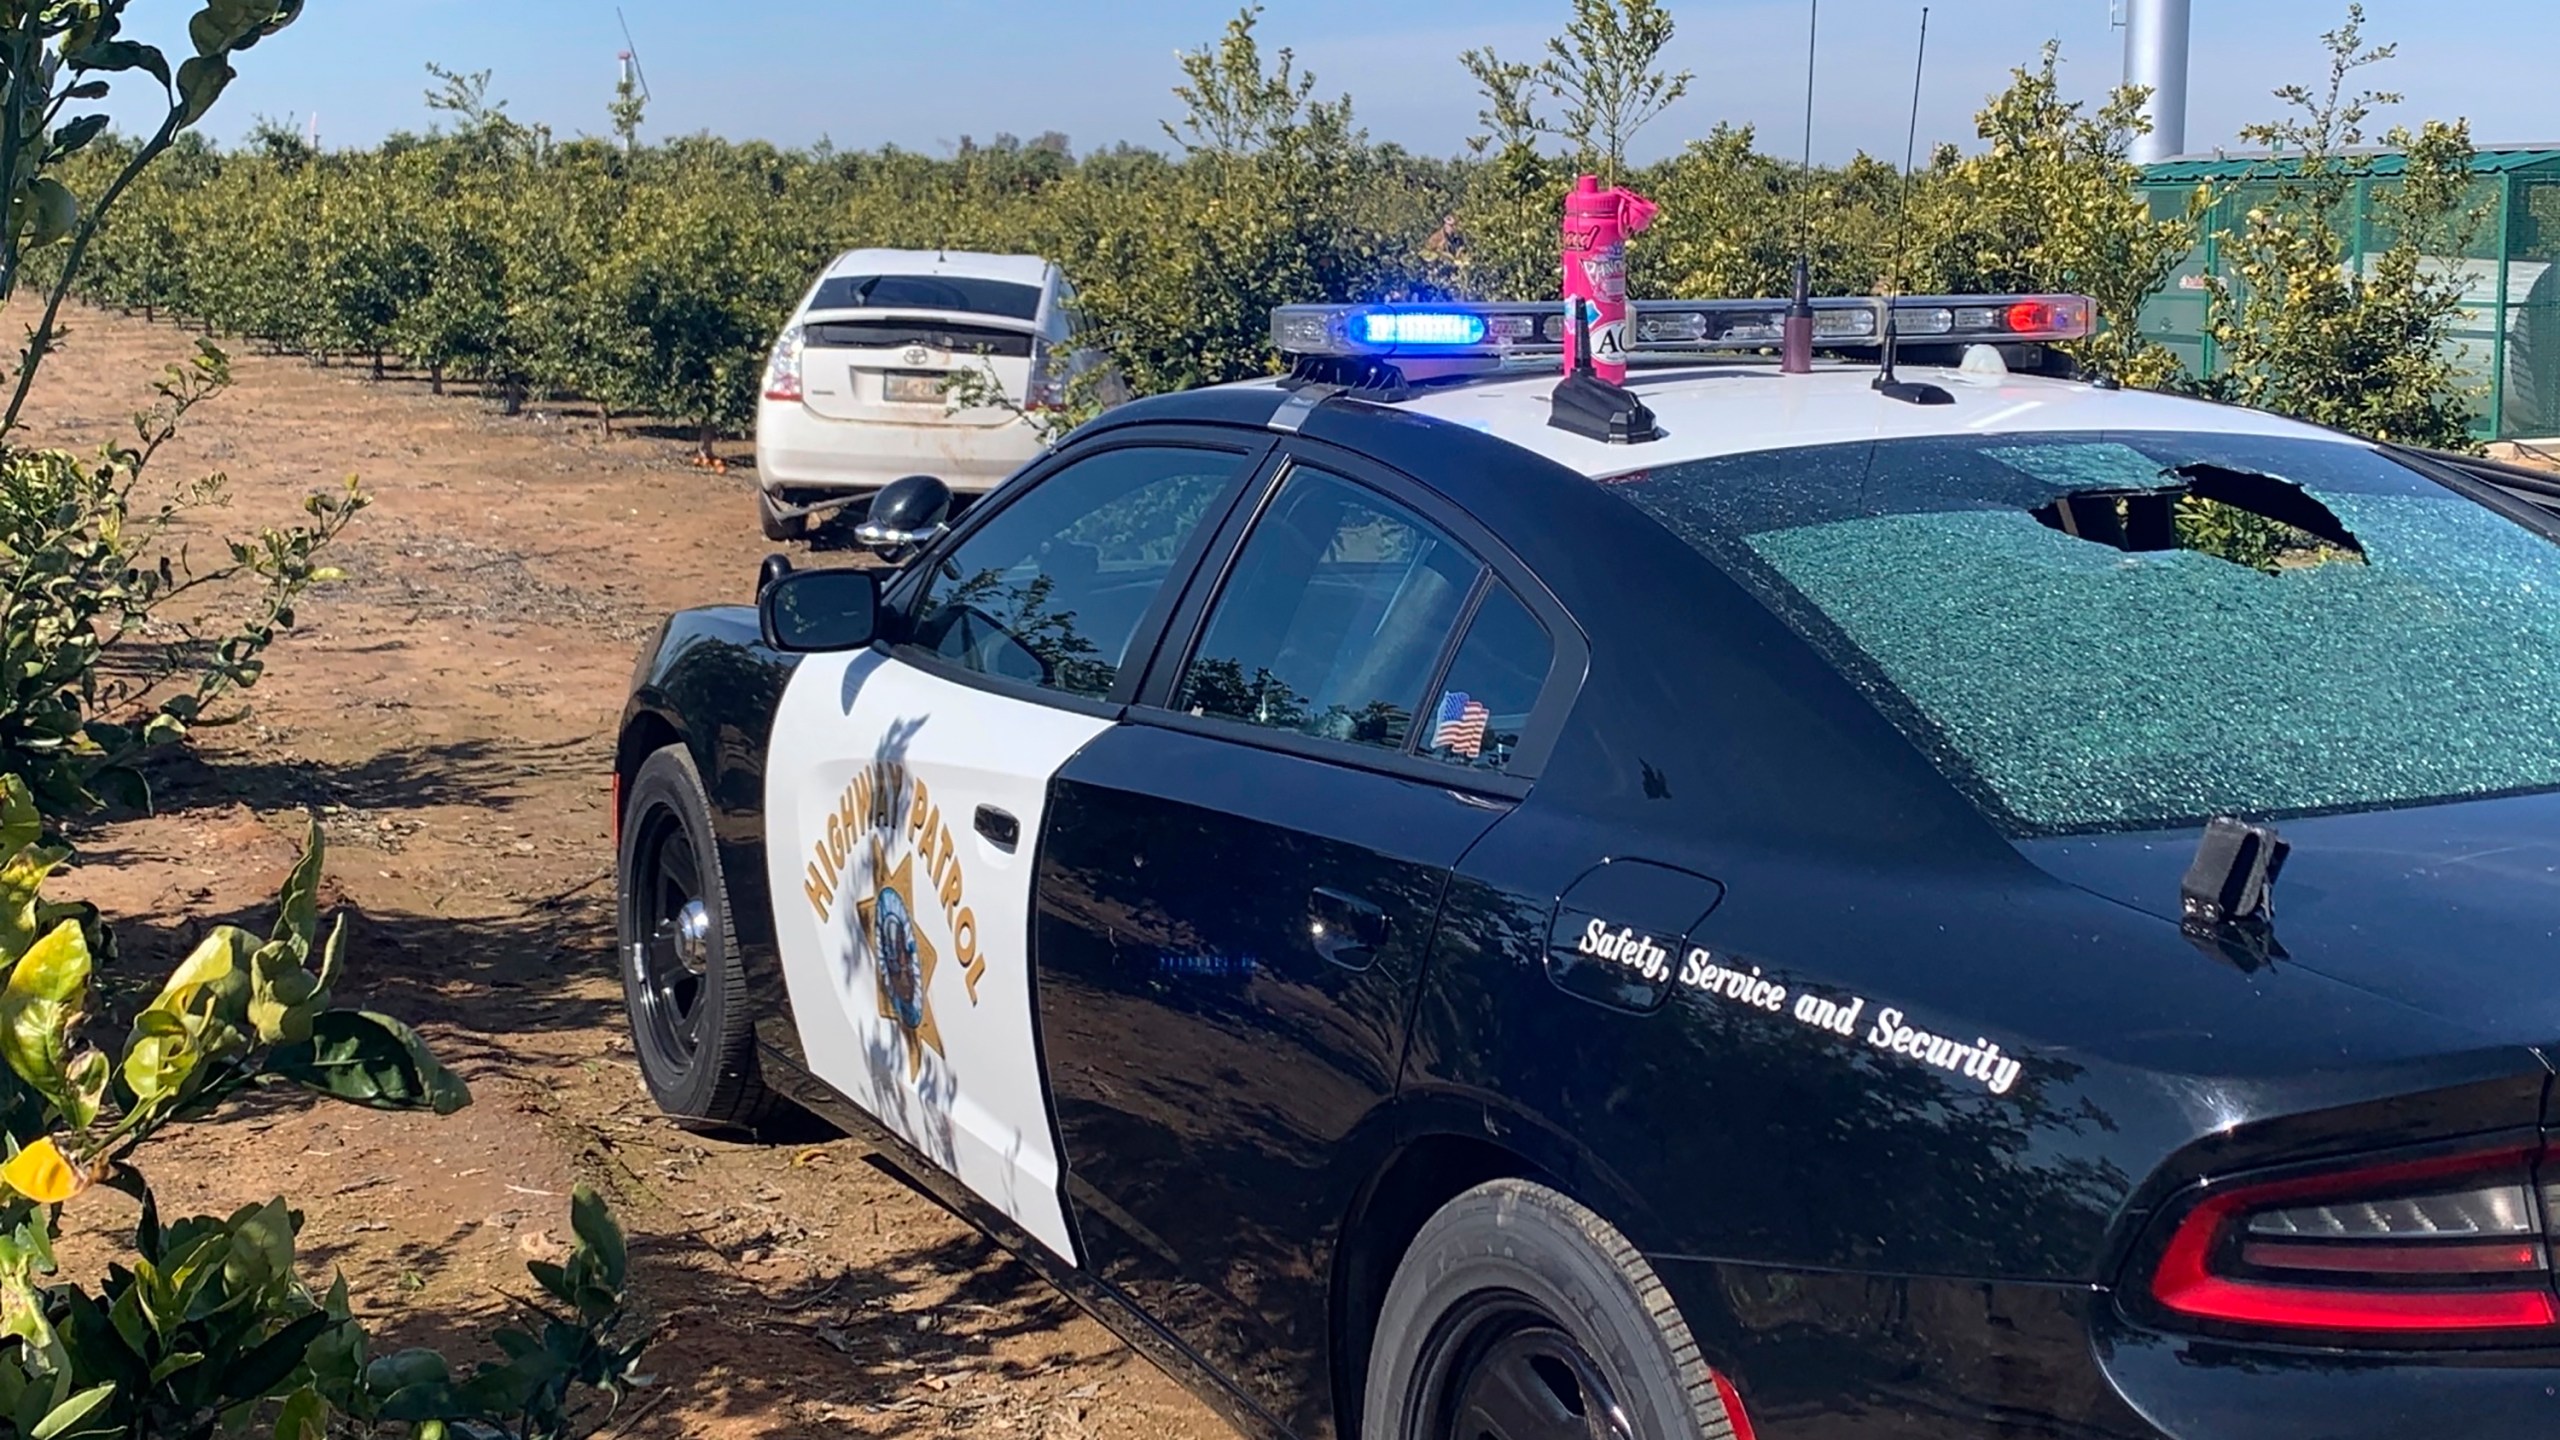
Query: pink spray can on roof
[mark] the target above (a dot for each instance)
(1597, 223)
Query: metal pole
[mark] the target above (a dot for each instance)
(2155, 57)
(2505, 332)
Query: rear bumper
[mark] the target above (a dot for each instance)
(1818, 1355)
(2200, 1390)
(796, 450)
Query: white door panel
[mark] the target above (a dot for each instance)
(905, 934)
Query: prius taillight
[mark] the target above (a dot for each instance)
(2453, 1246)
(1047, 388)
(782, 379)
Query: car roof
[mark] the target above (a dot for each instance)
(1713, 410)
(972, 264)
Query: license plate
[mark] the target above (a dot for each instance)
(916, 389)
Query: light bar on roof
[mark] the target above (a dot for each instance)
(1524, 333)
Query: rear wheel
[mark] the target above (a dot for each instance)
(777, 526)
(682, 983)
(1519, 1314)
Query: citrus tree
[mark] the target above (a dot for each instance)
(204, 1326)
(650, 278)
(2049, 204)
(2310, 320)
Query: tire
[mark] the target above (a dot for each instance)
(775, 525)
(683, 987)
(1517, 1313)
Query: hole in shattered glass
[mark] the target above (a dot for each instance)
(2253, 520)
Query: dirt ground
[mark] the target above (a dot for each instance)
(447, 711)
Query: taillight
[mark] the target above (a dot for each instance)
(1048, 389)
(782, 372)
(2452, 1246)
(1733, 1411)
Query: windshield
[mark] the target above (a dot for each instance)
(959, 293)
(2133, 631)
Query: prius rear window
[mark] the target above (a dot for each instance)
(2134, 631)
(959, 293)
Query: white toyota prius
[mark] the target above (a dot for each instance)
(859, 390)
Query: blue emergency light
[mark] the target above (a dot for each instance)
(1421, 327)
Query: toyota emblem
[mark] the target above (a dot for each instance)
(917, 354)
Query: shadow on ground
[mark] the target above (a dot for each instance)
(477, 773)
(493, 981)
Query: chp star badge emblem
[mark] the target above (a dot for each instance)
(886, 923)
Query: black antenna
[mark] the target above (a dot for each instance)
(1902, 202)
(1795, 349)
(1591, 407)
(1885, 381)
(1919, 68)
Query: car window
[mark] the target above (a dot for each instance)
(1331, 620)
(963, 293)
(1051, 588)
(1492, 686)
(2128, 631)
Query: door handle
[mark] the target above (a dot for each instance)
(999, 826)
(1346, 930)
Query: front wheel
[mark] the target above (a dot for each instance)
(1520, 1314)
(682, 983)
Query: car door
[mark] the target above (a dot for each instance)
(905, 782)
(1236, 892)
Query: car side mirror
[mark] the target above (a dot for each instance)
(907, 512)
(807, 611)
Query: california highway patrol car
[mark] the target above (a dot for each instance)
(1947, 904)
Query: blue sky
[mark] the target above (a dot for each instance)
(923, 73)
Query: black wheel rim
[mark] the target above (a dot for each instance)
(1501, 1368)
(670, 944)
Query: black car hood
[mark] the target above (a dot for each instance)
(2450, 909)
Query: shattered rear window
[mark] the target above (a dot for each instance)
(2135, 631)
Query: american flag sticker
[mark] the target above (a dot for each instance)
(1462, 722)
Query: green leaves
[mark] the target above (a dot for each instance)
(591, 1281)
(532, 1386)
(284, 995)
(205, 1325)
(303, 1416)
(112, 56)
(208, 1317)
(73, 138)
(56, 211)
(73, 1417)
(2311, 320)
(371, 1060)
(90, 560)
(38, 1007)
(412, 1385)
(201, 82)
(199, 1018)
(223, 26)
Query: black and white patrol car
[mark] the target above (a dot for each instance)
(1987, 905)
